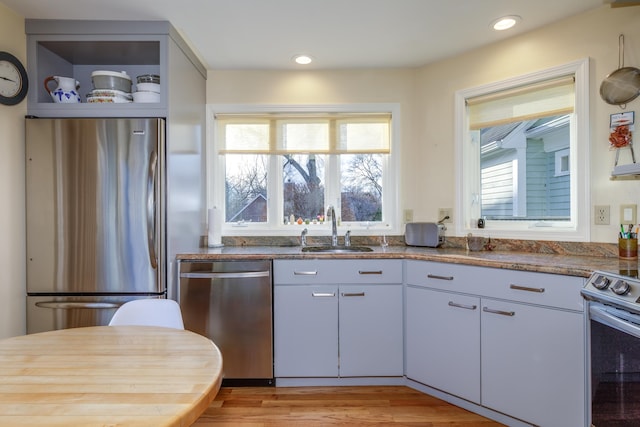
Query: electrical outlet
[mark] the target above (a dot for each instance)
(628, 214)
(408, 215)
(445, 215)
(602, 215)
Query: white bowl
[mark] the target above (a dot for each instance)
(146, 97)
(148, 87)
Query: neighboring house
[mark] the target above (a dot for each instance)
(526, 158)
(254, 211)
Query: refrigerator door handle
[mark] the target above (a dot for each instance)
(74, 305)
(151, 210)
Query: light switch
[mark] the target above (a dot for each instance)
(628, 214)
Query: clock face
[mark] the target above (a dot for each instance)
(10, 79)
(13, 80)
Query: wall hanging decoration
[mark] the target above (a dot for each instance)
(621, 127)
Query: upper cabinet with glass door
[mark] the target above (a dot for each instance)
(75, 49)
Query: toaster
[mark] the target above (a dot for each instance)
(428, 234)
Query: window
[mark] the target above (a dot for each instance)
(282, 168)
(522, 147)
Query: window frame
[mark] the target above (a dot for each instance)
(216, 180)
(467, 154)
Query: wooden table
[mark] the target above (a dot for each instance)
(107, 376)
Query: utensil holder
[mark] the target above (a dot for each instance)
(628, 248)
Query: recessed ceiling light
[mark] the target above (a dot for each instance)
(302, 59)
(505, 22)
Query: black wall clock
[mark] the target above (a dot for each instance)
(13, 80)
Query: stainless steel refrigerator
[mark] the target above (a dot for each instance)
(95, 218)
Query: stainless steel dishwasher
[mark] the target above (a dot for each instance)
(231, 302)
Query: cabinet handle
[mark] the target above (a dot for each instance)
(323, 294)
(370, 272)
(526, 288)
(465, 306)
(305, 273)
(435, 276)
(501, 312)
(353, 294)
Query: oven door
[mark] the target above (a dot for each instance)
(615, 366)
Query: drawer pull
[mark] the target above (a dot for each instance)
(526, 288)
(323, 294)
(500, 312)
(370, 272)
(465, 306)
(305, 273)
(435, 276)
(353, 294)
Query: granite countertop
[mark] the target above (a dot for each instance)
(571, 265)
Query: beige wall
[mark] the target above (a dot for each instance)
(12, 249)
(594, 35)
(426, 97)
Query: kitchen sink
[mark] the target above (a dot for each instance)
(336, 249)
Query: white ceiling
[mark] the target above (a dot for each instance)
(266, 34)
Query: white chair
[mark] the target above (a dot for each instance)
(149, 312)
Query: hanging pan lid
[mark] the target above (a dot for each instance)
(622, 85)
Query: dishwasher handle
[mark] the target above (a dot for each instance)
(231, 275)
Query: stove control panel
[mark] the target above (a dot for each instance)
(613, 289)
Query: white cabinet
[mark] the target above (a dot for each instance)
(306, 331)
(520, 351)
(443, 341)
(533, 363)
(340, 328)
(370, 331)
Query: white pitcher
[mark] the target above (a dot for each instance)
(67, 90)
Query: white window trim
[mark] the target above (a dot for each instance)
(391, 184)
(467, 164)
(559, 155)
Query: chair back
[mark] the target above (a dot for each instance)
(149, 312)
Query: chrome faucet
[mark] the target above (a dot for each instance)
(347, 238)
(334, 228)
(303, 238)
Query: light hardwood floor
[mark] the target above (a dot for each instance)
(333, 406)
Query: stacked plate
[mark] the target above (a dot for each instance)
(110, 87)
(108, 95)
(147, 88)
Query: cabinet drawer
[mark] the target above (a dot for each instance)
(443, 276)
(535, 288)
(552, 290)
(294, 272)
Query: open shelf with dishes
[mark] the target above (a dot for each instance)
(76, 50)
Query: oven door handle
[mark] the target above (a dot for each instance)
(600, 314)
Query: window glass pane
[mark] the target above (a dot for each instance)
(246, 187)
(361, 187)
(304, 137)
(303, 185)
(518, 172)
